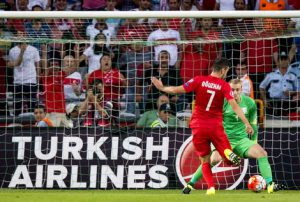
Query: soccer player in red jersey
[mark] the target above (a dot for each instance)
(206, 122)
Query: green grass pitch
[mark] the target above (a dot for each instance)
(9, 195)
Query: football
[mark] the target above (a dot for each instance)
(256, 183)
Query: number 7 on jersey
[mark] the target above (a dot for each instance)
(212, 95)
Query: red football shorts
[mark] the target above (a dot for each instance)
(203, 137)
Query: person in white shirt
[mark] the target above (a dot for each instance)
(24, 59)
(95, 52)
(167, 37)
(72, 83)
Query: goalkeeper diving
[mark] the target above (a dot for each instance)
(242, 145)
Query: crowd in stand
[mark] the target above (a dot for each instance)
(96, 72)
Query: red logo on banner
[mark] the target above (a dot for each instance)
(225, 176)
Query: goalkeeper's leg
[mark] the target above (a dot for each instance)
(257, 152)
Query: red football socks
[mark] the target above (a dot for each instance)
(207, 174)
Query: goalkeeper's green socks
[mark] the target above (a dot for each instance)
(197, 176)
(265, 169)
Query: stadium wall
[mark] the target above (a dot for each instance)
(90, 158)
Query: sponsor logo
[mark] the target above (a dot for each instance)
(227, 176)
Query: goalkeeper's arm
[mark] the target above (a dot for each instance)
(253, 121)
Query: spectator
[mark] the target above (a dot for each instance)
(273, 24)
(206, 5)
(127, 5)
(98, 26)
(259, 53)
(206, 31)
(175, 23)
(194, 61)
(73, 82)
(37, 28)
(226, 5)
(112, 79)
(24, 59)
(144, 5)
(133, 62)
(150, 116)
(164, 117)
(247, 85)
(99, 111)
(93, 5)
(113, 24)
(165, 36)
(282, 87)
(40, 117)
(174, 5)
(131, 30)
(169, 77)
(237, 27)
(55, 102)
(60, 5)
(22, 5)
(188, 5)
(39, 5)
(93, 53)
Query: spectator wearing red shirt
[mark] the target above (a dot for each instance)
(131, 30)
(112, 80)
(194, 62)
(206, 31)
(54, 95)
(260, 54)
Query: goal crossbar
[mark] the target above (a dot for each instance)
(149, 14)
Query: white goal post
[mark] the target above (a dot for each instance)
(149, 14)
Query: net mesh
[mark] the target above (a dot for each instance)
(94, 75)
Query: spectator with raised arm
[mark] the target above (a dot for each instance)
(168, 76)
(24, 59)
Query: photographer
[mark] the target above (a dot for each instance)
(99, 110)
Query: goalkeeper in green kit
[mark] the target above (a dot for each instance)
(239, 140)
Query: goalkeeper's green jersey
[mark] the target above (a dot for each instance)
(234, 126)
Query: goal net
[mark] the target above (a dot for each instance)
(78, 109)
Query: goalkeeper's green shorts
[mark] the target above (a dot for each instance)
(242, 147)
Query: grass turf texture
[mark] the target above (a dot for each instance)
(14, 195)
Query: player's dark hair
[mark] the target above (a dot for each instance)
(220, 64)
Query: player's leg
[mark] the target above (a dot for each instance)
(249, 149)
(220, 141)
(201, 143)
(207, 174)
(257, 152)
(214, 159)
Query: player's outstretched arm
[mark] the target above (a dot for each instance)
(167, 89)
(241, 115)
